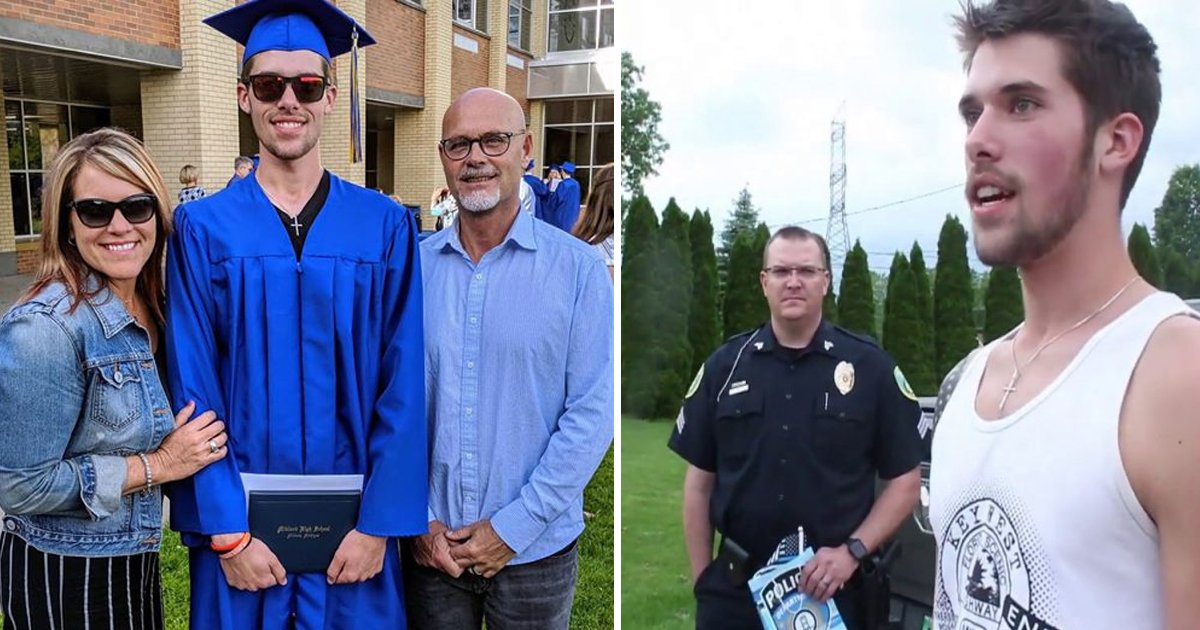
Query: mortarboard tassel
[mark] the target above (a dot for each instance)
(355, 117)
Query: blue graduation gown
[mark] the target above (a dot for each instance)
(316, 367)
(566, 204)
(541, 195)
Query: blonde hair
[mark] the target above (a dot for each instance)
(120, 155)
(596, 223)
(189, 175)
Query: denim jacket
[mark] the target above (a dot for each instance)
(78, 393)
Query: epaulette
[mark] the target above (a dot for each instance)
(867, 339)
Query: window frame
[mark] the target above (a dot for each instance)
(598, 8)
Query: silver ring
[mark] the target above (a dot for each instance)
(826, 581)
(212, 446)
(472, 570)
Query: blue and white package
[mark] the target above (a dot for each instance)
(780, 602)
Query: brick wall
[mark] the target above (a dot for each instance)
(517, 81)
(29, 254)
(470, 69)
(7, 244)
(417, 169)
(398, 59)
(153, 22)
(335, 136)
(205, 132)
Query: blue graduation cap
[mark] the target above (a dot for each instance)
(529, 164)
(568, 166)
(288, 25)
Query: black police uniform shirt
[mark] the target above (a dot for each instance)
(796, 437)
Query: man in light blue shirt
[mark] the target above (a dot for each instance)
(519, 378)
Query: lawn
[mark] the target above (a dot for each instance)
(593, 595)
(655, 579)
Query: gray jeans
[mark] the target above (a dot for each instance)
(534, 596)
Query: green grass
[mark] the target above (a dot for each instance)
(594, 591)
(593, 594)
(655, 579)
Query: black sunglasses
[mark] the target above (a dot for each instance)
(269, 88)
(98, 213)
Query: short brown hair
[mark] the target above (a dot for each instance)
(797, 233)
(1108, 57)
(189, 174)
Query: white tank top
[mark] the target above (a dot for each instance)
(1036, 523)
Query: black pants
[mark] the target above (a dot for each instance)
(42, 590)
(533, 596)
(723, 605)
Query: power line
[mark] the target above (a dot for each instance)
(876, 208)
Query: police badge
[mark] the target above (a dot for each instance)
(843, 377)
(777, 596)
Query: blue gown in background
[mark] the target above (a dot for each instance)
(317, 367)
(541, 195)
(565, 201)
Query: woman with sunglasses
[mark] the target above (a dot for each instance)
(88, 433)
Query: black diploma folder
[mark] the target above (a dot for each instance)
(303, 528)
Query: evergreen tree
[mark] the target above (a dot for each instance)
(1177, 220)
(742, 218)
(1177, 275)
(1141, 250)
(891, 335)
(953, 320)
(744, 305)
(704, 329)
(889, 300)
(856, 301)
(1003, 304)
(829, 310)
(638, 299)
(673, 280)
(922, 377)
(903, 323)
(642, 147)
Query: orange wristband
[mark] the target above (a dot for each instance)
(245, 542)
(230, 547)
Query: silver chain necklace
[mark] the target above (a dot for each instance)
(1016, 374)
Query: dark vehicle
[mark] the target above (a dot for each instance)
(913, 568)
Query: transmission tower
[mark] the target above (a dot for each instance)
(837, 234)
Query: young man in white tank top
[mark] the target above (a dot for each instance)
(1065, 483)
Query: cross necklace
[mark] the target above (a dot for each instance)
(296, 224)
(1017, 365)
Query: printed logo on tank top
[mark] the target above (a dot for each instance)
(984, 574)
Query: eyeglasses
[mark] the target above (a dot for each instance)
(492, 144)
(98, 213)
(806, 272)
(269, 88)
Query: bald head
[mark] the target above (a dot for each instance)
(485, 130)
(485, 102)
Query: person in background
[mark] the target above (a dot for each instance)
(541, 192)
(565, 201)
(595, 225)
(88, 433)
(242, 167)
(189, 176)
(443, 206)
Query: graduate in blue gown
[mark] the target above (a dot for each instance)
(565, 200)
(294, 312)
(541, 192)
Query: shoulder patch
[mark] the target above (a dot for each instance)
(902, 383)
(695, 383)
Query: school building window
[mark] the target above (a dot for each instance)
(580, 130)
(580, 25)
(36, 131)
(471, 13)
(520, 17)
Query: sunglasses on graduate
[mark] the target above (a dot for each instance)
(269, 88)
(98, 213)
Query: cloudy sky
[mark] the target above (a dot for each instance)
(748, 91)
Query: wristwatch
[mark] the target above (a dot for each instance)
(857, 549)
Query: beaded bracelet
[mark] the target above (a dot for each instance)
(149, 474)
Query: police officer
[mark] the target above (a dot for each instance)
(788, 425)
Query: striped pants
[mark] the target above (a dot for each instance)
(46, 591)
